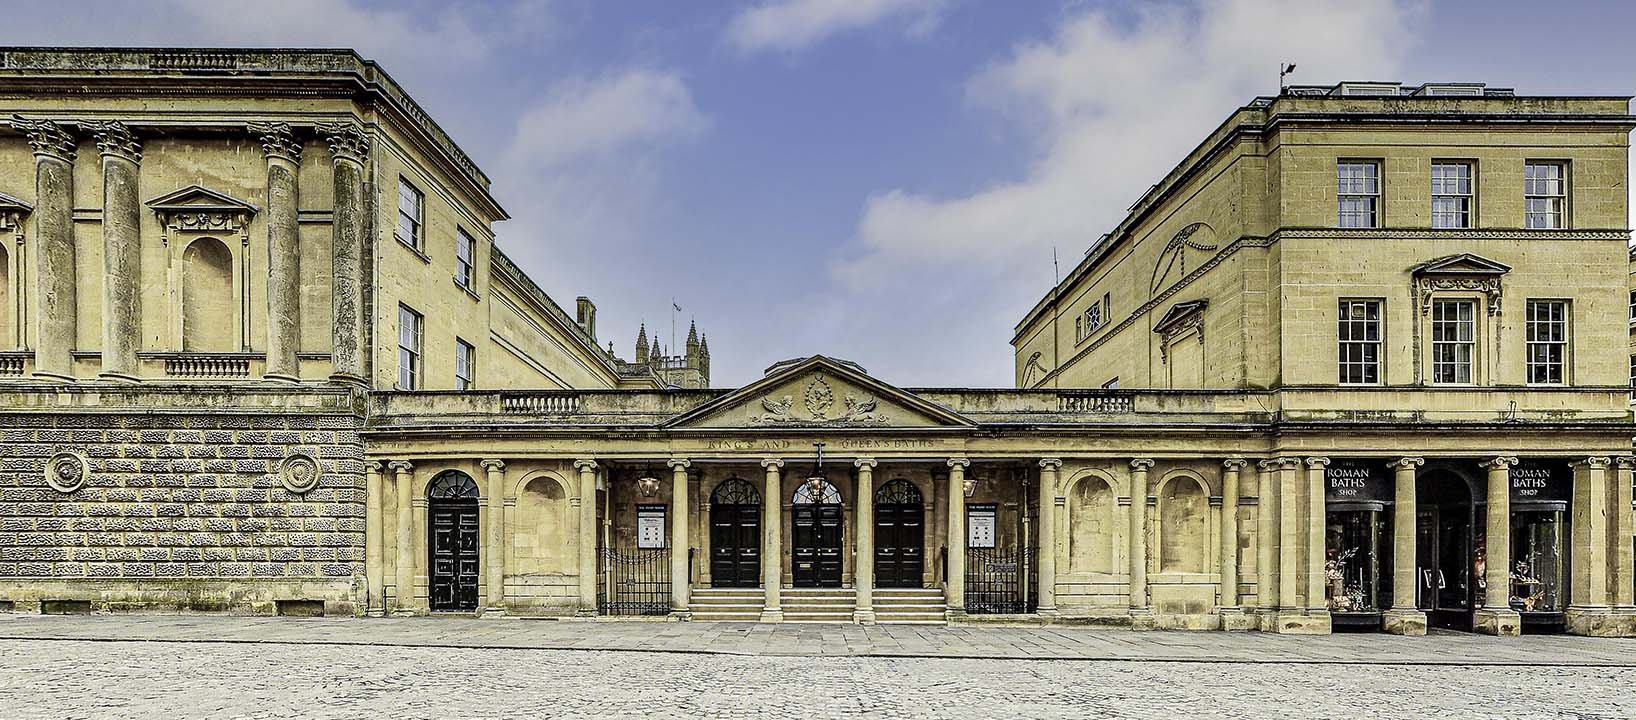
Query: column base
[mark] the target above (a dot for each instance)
(492, 612)
(1047, 611)
(1407, 621)
(1600, 621)
(1142, 619)
(119, 377)
(1502, 622)
(1234, 619)
(771, 615)
(281, 377)
(349, 379)
(53, 377)
(403, 612)
(585, 612)
(682, 615)
(1300, 622)
(864, 616)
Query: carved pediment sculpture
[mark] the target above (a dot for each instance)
(818, 399)
(1461, 272)
(202, 210)
(818, 392)
(12, 212)
(1174, 256)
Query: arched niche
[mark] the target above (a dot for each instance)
(1184, 524)
(1092, 518)
(540, 532)
(209, 305)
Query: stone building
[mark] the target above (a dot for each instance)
(1325, 375)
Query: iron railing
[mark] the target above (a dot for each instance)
(1000, 581)
(633, 582)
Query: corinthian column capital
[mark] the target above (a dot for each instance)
(47, 137)
(277, 141)
(114, 139)
(347, 140)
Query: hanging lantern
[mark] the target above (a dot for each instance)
(647, 484)
(970, 485)
(816, 482)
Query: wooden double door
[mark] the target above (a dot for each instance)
(455, 554)
(735, 545)
(816, 547)
(900, 539)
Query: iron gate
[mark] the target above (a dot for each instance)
(1001, 581)
(633, 582)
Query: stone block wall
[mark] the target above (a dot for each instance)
(188, 511)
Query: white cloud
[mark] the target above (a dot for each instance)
(588, 119)
(1110, 104)
(797, 24)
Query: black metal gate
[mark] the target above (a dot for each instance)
(1001, 581)
(633, 582)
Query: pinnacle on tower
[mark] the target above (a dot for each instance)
(692, 344)
(642, 345)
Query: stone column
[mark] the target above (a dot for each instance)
(283, 154)
(404, 565)
(494, 494)
(349, 147)
(1405, 618)
(1317, 605)
(680, 590)
(1232, 617)
(1266, 540)
(954, 587)
(863, 568)
(1590, 611)
(772, 543)
(587, 536)
(55, 302)
(1140, 614)
(121, 249)
(1621, 527)
(1496, 616)
(374, 537)
(1050, 470)
(1290, 538)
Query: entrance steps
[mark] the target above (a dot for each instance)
(893, 606)
(910, 606)
(726, 604)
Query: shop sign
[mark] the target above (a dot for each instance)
(650, 527)
(1541, 481)
(1357, 481)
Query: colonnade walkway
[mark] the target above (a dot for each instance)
(980, 641)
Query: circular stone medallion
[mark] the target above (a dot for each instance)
(67, 472)
(299, 473)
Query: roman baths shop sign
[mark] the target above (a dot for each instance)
(1357, 481)
(1541, 481)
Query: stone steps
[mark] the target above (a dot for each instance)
(910, 606)
(893, 606)
(726, 604)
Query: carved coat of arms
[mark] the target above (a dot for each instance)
(819, 400)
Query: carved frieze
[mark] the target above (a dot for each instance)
(47, 137)
(347, 140)
(818, 400)
(1489, 287)
(114, 139)
(277, 141)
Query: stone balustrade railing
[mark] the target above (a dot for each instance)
(548, 403)
(206, 366)
(1095, 403)
(12, 364)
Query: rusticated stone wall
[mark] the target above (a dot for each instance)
(189, 511)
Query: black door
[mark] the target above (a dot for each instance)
(899, 535)
(817, 546)
(735, 535)
(452, 510)
(1445, 552)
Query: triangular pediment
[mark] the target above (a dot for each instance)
(12, 203)
(1461, 264)
(195, 198)
(819, 392)
(1179, 312)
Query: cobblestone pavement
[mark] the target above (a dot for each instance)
(162, 679)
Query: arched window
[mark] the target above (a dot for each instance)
(735, 491)
(452, 485)
(1183, 522)
(897, 492)
(825, 494)
(209, 308)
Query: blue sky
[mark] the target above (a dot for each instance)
(880, 180)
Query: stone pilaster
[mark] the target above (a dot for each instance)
(404, 564)
(680, 590)
(954, 586)
(494, 557)
(1317, 606)
(587, 536)
(283, 154)
(1050, 471)
(1266, 541)
(1591, 611)
(772, 542)
(1496, 616)
(1621, 526)
(349, 147)
(374, 569)
(1404, 618)
(1141, 614)
(1232, 615)
(863, 567)
(55, 302)
(121, 249)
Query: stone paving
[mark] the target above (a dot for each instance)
(216, 667)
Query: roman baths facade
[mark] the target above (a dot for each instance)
(1353, 364)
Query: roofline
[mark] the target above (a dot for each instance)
(1227, 134)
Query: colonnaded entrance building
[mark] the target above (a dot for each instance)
(1355, 363)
